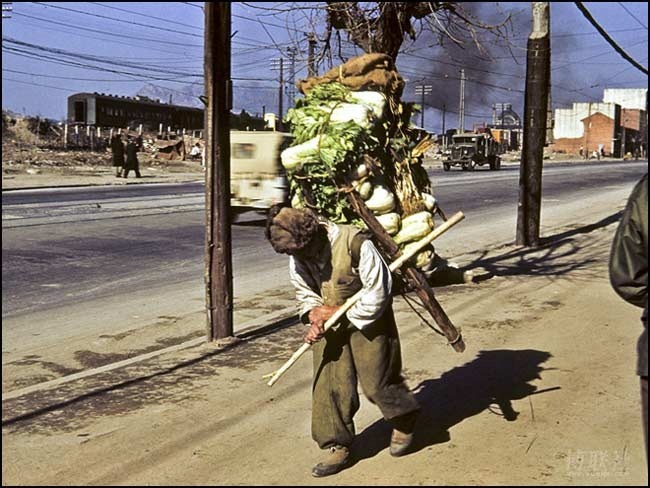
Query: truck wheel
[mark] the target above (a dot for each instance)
(446, 166)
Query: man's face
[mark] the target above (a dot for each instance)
(313, 249)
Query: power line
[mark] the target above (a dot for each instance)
(193, 5)
(632, 15)
(55, 60)
(87, 57)
(251, 47)
(118, 20)
(184, 44)
(175, 22)
(611, 41)
(38, 84)
(76, 78)
(570, 63)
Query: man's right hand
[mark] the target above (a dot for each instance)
(315, 333)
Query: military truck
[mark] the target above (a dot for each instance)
(469, 149)
(257, 178)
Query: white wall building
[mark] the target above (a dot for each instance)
(568, 121)
(632, 98)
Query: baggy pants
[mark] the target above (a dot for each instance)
(372, 356)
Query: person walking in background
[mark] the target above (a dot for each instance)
(131, 159)
(195, 152)
(364, 346)
(117, 149)
(139, 142)
(628, 273)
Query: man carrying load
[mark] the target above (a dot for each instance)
(365, 344)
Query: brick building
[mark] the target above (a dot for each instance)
(634, 126)
(616, 126)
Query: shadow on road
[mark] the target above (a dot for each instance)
(555, 256)
(490, 382)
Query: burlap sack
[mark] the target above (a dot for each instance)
(374, 71)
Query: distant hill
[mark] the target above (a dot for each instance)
(187, 96)
(254, 99)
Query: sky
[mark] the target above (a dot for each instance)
(51, 50)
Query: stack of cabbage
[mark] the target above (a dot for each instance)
(360, 140)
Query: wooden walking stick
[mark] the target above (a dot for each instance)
(395, 265)
(413, 275)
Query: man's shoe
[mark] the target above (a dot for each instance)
(402, 437)
(338, 459)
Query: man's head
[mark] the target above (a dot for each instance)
(294, 231)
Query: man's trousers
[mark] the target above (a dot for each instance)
(371, 356)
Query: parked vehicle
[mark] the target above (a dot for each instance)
(257, 178)
(469, 150)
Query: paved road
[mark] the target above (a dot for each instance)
(66, 246)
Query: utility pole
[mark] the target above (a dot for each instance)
(538, 63)
(587, 131)
(311, 62)
(461, 109)
(278, 64)
(444, 134)
(423, 90)
(218, 91)
(292, 75)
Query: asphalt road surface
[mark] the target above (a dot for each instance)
(67, 246)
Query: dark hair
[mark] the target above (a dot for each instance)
(290, 230)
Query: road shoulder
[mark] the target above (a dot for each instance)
(544, 394)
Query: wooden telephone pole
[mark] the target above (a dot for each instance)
(311, 61)
(278, 65)
(423, 90)
(461, 108)
(218, 241)
(538, 71)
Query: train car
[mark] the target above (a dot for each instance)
(103, 110)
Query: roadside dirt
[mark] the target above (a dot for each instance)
(545, 393)
(32, 165)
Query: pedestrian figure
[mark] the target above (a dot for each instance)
(582, 149)
(117, 149)
(139, 142)
(628, 273)
(364, 346)
(195, 152)
(131, 159)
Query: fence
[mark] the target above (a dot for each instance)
(77, 136)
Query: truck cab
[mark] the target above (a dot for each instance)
(469, 149)
(257, 178)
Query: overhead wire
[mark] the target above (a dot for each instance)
(149, 16)
(152, 69)
(607, 37)
(139, 24)
(632, 15)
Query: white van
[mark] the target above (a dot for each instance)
(257, 178)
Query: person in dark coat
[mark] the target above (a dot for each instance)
(131, 159)
(117, 148)
(628, 274)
